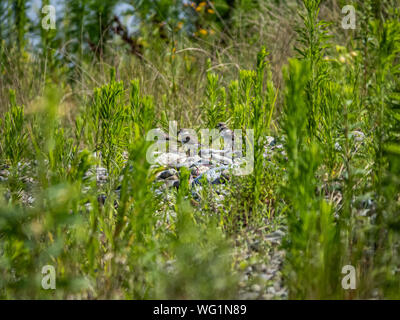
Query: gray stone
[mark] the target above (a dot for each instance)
(271, 290)
(170, 159)
(265, 277)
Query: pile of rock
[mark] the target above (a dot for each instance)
(216, 166)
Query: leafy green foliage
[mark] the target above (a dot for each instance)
(108, 129)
